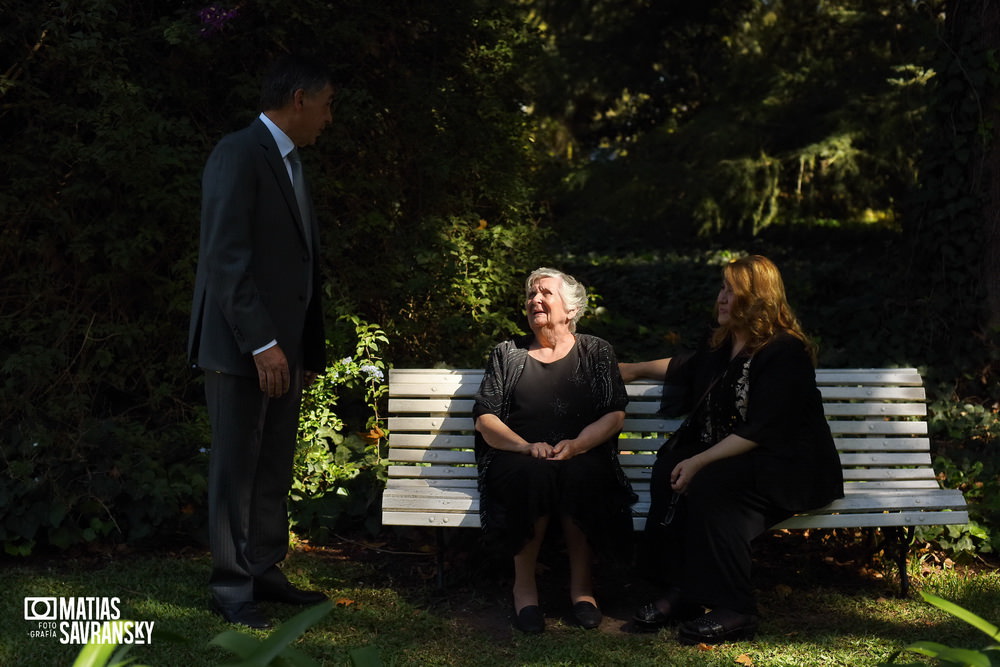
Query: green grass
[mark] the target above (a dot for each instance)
(393, 605)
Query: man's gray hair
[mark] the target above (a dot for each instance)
(572, 291)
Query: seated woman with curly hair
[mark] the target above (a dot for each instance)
(754, 450)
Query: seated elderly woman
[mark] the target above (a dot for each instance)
(755, 449)
(547, 420)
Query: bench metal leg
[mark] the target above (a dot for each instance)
(901, 537)
(439, 535)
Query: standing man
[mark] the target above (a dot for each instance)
(257, 333)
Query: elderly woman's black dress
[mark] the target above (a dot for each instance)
(699, 543)
(550, 402)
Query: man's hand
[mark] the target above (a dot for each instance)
(272, 370)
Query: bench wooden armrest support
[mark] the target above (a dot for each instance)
(878, 418)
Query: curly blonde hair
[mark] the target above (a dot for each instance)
(759, 306)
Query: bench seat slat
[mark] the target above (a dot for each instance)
(467, 499)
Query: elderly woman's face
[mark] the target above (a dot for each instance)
(545, 305)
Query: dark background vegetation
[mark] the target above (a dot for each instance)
(638, 145)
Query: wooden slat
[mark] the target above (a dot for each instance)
(880, 393)
(400, 482)
(447, 456)
(885, 460)
(429, 424)
(650, 425)
(921, 518)
(432, 441)
(878, 427)
(896, 500)
(888, 473)
(883, 444)
(875, 409)
(430, 520)
(425, 472)
(431, 405)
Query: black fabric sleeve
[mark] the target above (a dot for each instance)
(782, 381)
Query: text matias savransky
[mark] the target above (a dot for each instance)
(83, 620)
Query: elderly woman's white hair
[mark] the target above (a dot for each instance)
(572, 291)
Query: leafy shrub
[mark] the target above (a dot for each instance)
(112, 483)
(338, 464)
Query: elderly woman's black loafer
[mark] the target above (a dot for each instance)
(587, 615)
(717, 627)
(530, 620)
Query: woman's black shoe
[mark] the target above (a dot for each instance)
(530, 620)
(587, 615)
(718, 626)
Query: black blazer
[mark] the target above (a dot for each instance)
(795, 465)
(255, 267)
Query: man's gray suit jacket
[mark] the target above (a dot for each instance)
(255, 268)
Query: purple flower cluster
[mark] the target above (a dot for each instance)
(215, 19)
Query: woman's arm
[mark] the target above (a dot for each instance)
(648, 370)
(591, 436)
(500, 436)
(684, 472)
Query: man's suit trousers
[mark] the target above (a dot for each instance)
(250, 473)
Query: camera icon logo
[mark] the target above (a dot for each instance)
(40, 609)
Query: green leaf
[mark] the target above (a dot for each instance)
(278, 641)
(241, 644)
(972, 619)
(102, 655)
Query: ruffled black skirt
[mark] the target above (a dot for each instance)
(517, 490)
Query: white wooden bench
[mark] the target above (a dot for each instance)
(878, 419)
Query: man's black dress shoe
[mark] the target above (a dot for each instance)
(530, 620)
(718, 626)
(243, 613)
(649, 618)
(587, 615)
(286, 593)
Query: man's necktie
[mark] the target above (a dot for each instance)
(299, 184)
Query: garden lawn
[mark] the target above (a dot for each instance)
(817, 610)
